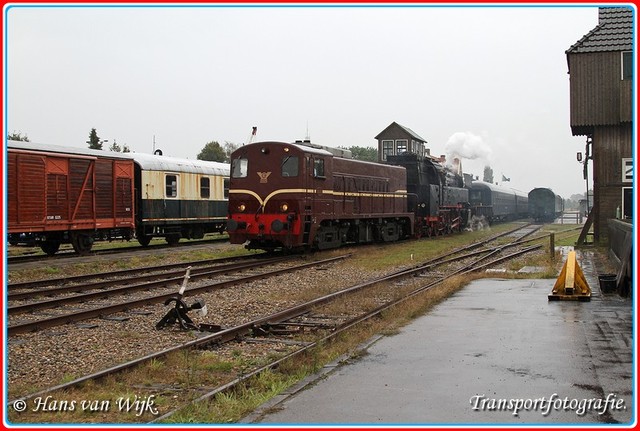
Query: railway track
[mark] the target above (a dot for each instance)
(48, 286)
(37, 256)
(306, 316)
(168, 281)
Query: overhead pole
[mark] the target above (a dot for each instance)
(254, 131)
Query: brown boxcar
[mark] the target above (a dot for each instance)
(59, 195)
(298, 195)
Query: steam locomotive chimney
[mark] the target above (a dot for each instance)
(457, 166)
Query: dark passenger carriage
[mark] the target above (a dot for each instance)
(544, 204)
(300, 195)
(497, 203)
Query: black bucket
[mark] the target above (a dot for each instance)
(607, 282)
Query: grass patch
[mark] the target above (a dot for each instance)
(229, 407)
(407, 253)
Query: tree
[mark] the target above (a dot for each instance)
(488, 175)
(94, 140)
(115, 147)
(367, 154)
(212, 152)
(18, 137)
(229, 147)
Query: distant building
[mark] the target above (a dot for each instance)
(397, 139)
(601, 97)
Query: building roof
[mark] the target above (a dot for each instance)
(406, 129)
(614, 32)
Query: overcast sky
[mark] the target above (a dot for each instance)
(495, 77)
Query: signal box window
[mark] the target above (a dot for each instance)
(318, 167)
(401, 146)
(205, 190)
(171, 186)
(290, 166)
(239, 167)
(387, 149)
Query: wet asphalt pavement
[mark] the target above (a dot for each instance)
(496, 352)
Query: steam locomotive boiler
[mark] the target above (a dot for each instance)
(437, 194)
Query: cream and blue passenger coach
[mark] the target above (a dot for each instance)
(179, 198)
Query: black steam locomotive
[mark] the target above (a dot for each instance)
(437, 195)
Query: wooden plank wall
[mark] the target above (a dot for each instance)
(610, 145)
(598, 95)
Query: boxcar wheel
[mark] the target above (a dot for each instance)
(144, 240)
(81, 243)
(50, 247)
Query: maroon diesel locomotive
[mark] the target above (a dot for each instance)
(291, 195)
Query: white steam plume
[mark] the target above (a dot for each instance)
(468, 146)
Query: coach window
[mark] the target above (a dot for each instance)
(289, 166)
(171, 183)
(205, 188)
(239, 167)
(318, 168)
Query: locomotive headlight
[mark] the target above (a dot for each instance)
(241, 208)
(284, 207)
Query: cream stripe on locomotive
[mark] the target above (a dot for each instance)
(263, 203)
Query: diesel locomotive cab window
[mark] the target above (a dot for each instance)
(318, 167)
(290, 166)
(171, 183)
(239, 167)
(205, 190)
